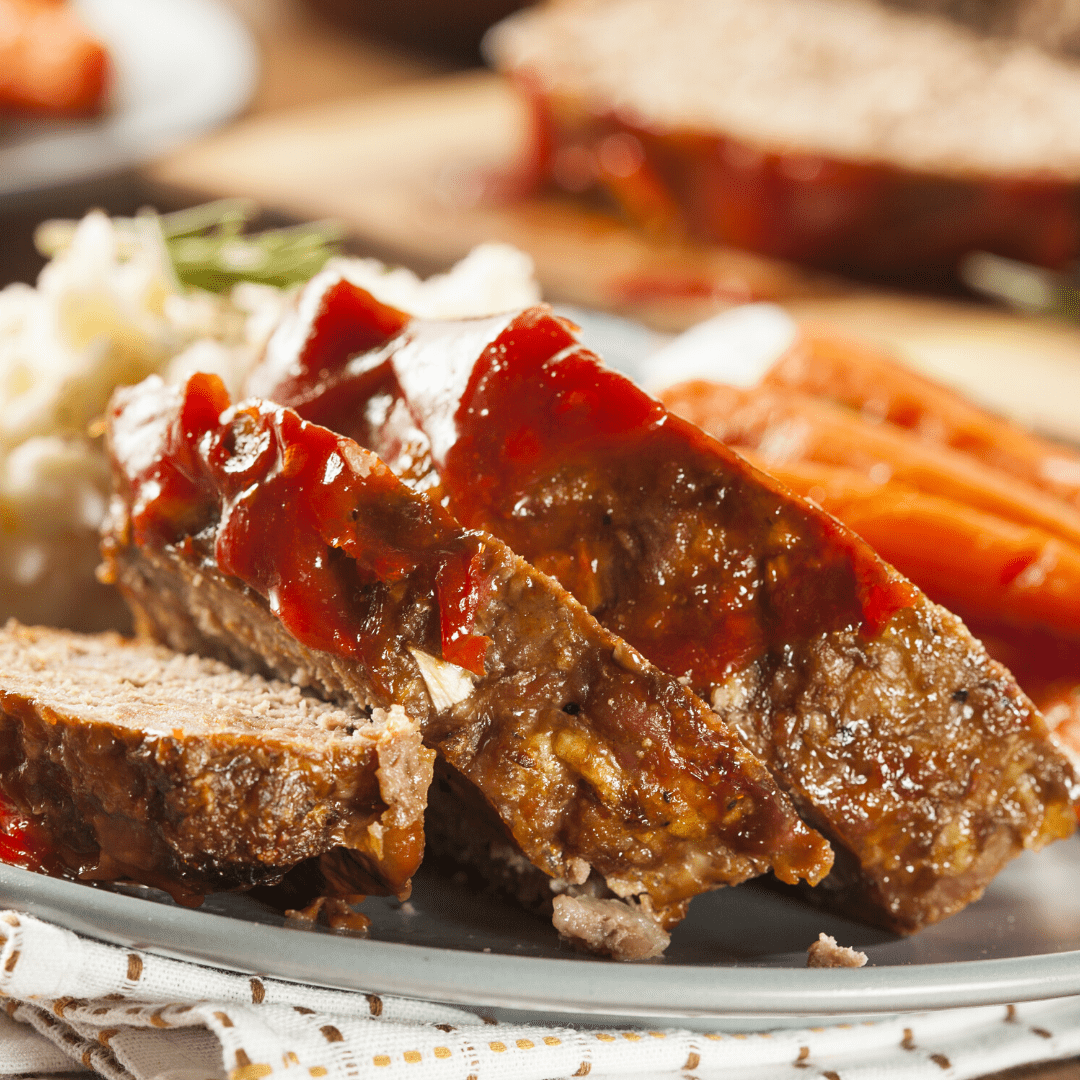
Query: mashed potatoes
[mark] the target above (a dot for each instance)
(108, 310)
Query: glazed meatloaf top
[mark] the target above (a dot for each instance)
(249, 533)
(133, 761)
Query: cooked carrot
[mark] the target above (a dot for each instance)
(966, 559)
(1047, 667)
(785, 426)
(1040, 659)
(48, 62)
(1060, 707)
(882, 388)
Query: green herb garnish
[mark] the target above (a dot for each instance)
(1022, 286)
(209, 249)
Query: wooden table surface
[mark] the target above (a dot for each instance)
(312, 70)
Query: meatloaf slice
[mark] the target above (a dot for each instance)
(251, 534)
(889, 726)
(135, 762)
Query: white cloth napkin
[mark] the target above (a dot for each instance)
(75, 1004)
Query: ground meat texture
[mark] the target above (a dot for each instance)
(250, 534)
(614, 927)
(914, 750)
(836, 670)
(134, 762)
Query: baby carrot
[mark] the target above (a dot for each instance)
(882, 388)
(784, 426)
(975, 562)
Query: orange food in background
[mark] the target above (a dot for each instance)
(879, 388)
(973, 562)
(49, 63)
(979, 513)
(786, 425)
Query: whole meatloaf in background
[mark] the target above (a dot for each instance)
(841, 133)
(1052, 24)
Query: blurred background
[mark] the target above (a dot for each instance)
(383, 117)
(290, 54)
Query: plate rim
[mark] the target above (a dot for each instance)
(535, 984)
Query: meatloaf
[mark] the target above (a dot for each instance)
(249, 534)
(841, 133)
(884, 719)
(134, 762)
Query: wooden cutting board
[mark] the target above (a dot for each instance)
(423, 173)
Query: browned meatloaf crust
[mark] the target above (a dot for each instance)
(887, 723)
(135, 762)
(252, 535)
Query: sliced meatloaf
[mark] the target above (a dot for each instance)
(887, 723)
(247, 533)
(134, 762)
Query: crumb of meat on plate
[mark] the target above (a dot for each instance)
(826, 953)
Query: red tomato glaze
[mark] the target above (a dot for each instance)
(670, 539)
(321, 529)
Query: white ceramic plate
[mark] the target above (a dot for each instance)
(738, 959)
(181, 68)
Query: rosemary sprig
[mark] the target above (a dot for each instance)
(209, 249)
(1020, 285)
